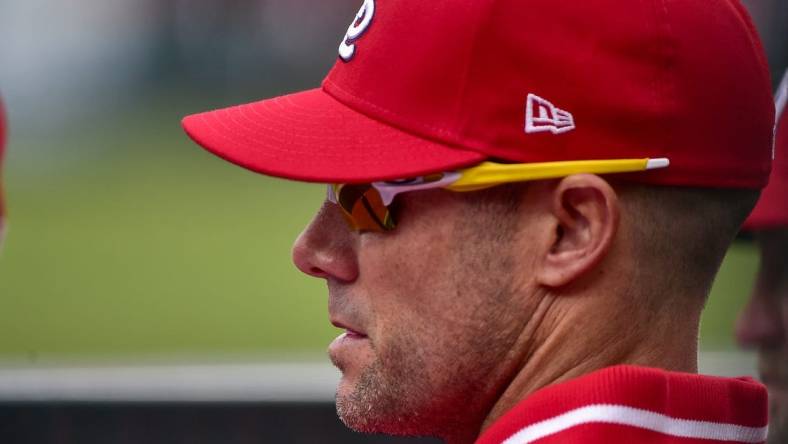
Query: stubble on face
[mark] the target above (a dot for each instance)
(375, 405)
(450, 327)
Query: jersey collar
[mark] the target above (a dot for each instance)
(640, 402)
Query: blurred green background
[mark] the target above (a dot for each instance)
(163, 249)
(126, 241)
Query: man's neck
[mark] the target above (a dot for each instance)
(569, 343)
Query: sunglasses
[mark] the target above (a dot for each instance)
(366, 207)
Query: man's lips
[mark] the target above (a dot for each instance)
(351, 332)
(354, 335)
(352, 343)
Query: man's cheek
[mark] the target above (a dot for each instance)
(397, 283)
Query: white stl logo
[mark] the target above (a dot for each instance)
(542, 116)
(347, 49)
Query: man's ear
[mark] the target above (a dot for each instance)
(584, 214)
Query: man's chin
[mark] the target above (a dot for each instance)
(364, 404)
(365, 418)
(355, 410)
(345, 390)
(351, 415)
(355, 391)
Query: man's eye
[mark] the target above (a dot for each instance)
(417, 180)
(409, 181)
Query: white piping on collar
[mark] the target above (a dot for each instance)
(639, 418)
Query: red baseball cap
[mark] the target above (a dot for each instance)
(428, 86)
(772, 208)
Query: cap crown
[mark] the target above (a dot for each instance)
(683, 79)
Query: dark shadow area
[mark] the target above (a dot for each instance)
(141, 423)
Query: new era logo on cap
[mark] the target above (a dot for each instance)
(542, 116)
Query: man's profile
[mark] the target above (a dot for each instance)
(527, 203)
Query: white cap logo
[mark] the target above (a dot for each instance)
(543, 116)
(347, 49)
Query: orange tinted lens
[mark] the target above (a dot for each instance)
(363, 208)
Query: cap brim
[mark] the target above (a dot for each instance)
(310, 136)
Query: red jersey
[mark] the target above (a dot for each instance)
(627, 404)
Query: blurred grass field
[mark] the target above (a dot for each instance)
(143, 245)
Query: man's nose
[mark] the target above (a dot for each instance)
(326, 248)
(760, 325)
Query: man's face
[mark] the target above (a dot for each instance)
(432, 309)
(764, 325)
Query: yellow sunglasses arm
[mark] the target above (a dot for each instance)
(488, 174)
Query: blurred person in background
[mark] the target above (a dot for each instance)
(763, 324)
(495, 279)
